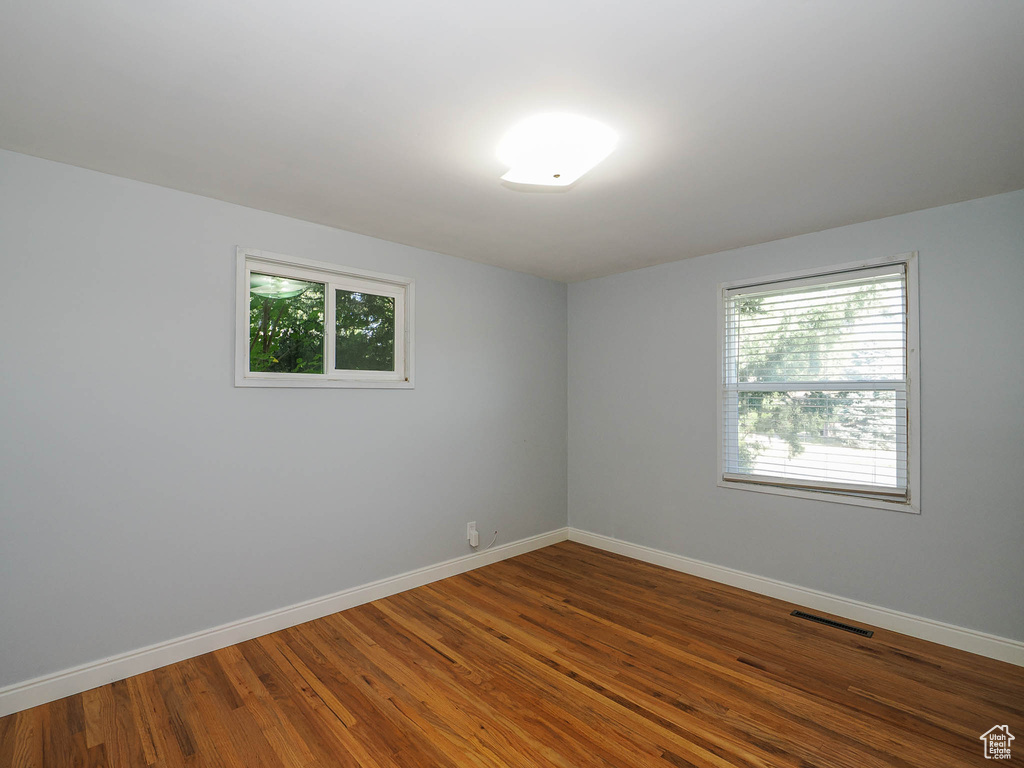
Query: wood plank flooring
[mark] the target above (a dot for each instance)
(567, 656)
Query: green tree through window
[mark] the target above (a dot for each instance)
(365, 332)
(286, 325)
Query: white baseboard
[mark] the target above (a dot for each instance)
(14, 698)
(993, 646)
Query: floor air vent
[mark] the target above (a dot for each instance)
(836, 624)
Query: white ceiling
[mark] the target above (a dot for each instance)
(740, 121)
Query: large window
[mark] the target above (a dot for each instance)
(312, 324)
(818, 384)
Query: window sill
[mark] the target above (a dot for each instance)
(322, 383)
(835, 498)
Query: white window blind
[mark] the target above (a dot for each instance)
(815, 383)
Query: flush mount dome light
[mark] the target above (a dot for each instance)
(554, 149)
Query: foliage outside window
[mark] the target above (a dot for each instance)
(286, 325)
(815, 388)
(365, 331)
(315, 324)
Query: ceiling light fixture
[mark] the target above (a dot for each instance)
(554, 149)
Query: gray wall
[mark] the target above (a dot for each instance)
(144, 497)
(642, 423)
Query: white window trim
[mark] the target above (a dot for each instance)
(913, 503)
(334, 277)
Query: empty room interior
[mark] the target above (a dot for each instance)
(554, 384)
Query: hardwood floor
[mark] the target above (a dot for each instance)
(567, 656)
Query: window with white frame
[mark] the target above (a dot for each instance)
(303, 323)
(818, 385)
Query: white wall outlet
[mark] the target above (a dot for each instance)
(472, 535)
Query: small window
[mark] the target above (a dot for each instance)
(312, 324)
(816, 385)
